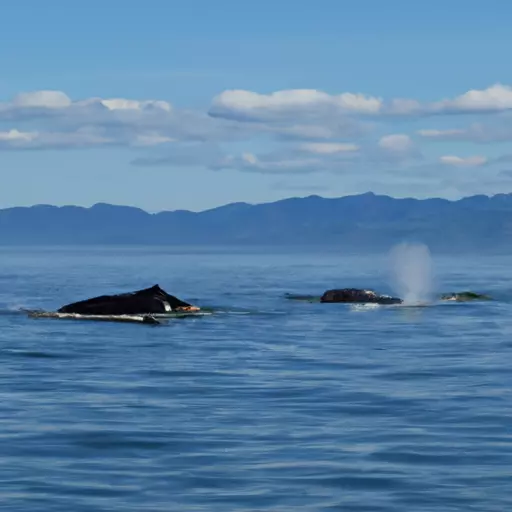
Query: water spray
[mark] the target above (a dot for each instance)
(411, 273)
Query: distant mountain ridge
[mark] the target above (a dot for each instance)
(365, 222)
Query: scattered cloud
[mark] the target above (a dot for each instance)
(442, 134)
(124, 104)
(15, 135)
(470, 161)
(328, 148)
(496, 98)
(151, 139)
(269, 164)
(332, 127)
(51, 100)
(249, 106)
(289, 160)
(397, 149)
(299, 158)
(397, 143)
(52, 115)
(500, 130)
(15, 139)
(289, 132)
(40, 99)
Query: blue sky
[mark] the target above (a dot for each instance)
(170, 105)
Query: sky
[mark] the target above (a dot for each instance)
(166, 104)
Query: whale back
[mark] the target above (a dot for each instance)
(357, 295)
(147, 300)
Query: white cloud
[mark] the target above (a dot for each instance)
(248, 105)
(328, 148)
(393, 152)
(358, 103)
(499, 130)
(41, 99)
(441, 134)
(124, 104)
(14, 139)
(396, 143)
(397, 149)
(315, 129)
(404, 106)
(333, 157)
(307, 114)
(83, 137)
(301, 104)
(55, 107)
(210, 156)
(127, 122)
(151, 139)
(15, 135)
(60, 100)
(268, 164)
(305, 127)
(457, 161)
(153, 121)
(498, 97)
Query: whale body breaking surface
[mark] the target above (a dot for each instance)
(149, 305)
(359, 296)
(153, 300)
(365, 296)
(154, 305)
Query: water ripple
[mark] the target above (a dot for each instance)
(267, 405)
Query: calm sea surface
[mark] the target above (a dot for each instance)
(268, 404)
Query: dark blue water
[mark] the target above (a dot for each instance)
(267, 405)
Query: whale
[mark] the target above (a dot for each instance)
(357, 295)
(464, 296)
(152, 300)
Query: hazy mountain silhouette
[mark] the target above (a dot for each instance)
(362, 222)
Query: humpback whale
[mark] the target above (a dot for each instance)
(153, 300)
(358, 295)
(464, 296)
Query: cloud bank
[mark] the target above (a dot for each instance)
(285, 132)
(310, 103)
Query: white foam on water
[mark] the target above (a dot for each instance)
(364, 307)
(16, 307)
(412, 275)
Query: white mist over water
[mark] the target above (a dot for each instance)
(411, 273)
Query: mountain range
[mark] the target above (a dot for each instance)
(365, 222)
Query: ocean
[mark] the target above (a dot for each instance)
(269, 404)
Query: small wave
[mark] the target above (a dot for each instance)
(13, 310)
